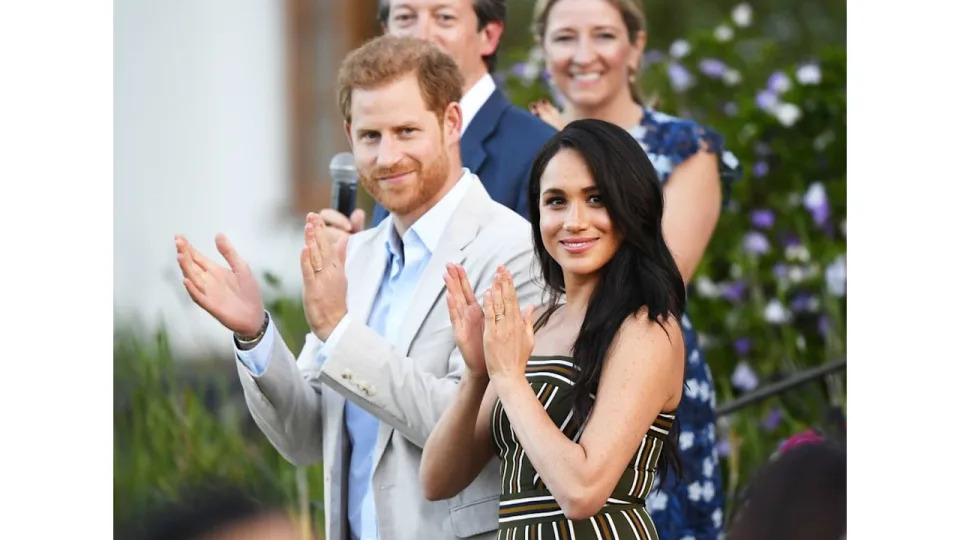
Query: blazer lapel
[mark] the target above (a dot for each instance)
(365, 270)
(483, 125)
(461, 229)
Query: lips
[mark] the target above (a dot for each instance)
(578, 245)
(585, 77)
(395, 178)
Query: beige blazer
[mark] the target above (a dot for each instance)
(299, 404)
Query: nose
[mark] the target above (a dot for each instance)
(388, 152)
(573, 221)
(584, 52)
(425, 29)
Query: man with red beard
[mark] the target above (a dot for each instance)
(381, 363)
(498, 140)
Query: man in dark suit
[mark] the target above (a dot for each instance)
(498, 141)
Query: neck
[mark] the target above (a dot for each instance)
(403, 222)
(469, 81)
(621, 110)
(579, 288)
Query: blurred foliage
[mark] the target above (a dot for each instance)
(180, 427)
(769, 296)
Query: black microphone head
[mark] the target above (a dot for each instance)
(343, 171)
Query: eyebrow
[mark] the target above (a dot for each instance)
(555, 191)
(602, 27)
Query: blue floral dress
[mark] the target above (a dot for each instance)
(692, 508)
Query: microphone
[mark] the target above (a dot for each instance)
(344, 174)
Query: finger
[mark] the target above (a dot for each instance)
(465, 287)
(488, 309)
(454, 314)
(195, 293)
(357, 220)
(306, 267)
(528, 320)
(497, 296)
(229, 253)
(200, 259)
(335, 220)
(312, 247)
(509, 292)
(191, 272)
(452, 279)
(341, 249)
(327, 251)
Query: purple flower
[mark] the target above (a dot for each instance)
(680, 78)
(760, 169)
(789, 240)
(823, 325)
(744, 378)
(519, 69)
(804, 301)
(756, 243)
(778, 82)
(730, 108)
(772, 420)
(742, 346)
(652, 56)
(713, 68)
(723, 447)
(780, 270)
(815, 201)
(734, 291)
(763, 218)
(767, 100)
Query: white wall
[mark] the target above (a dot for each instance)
(200, 148)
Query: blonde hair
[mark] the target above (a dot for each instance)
(631, 11)
(385, 59)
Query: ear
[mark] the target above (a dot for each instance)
(636, 51)
(452, 123)
(347, 130)
(490, 37)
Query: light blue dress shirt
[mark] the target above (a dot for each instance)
(407, 258)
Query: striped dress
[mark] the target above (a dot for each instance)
(528, 510)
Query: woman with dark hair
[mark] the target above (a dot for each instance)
(593, 51)
(576, 399)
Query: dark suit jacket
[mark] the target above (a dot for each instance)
(499, 146)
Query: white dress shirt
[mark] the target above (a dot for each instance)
(471, 102)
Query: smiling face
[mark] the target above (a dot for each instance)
(575, 226)
(407, 158)
(588, 51)
(450, 24)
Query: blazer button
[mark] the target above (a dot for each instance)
(347, 375)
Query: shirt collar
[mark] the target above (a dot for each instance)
(430, 227)
(473, 100)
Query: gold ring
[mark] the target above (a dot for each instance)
(317, 271)
(498, 317)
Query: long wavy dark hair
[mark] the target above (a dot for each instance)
(642, 272)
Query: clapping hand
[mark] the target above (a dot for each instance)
(466, 316)
(324, 278)
(507, 332)
(231, 294)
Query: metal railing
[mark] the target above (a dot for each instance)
(780, 387)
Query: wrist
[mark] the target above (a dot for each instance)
(248, 341)
(507, 381)
(323, 331)
(473, 380)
